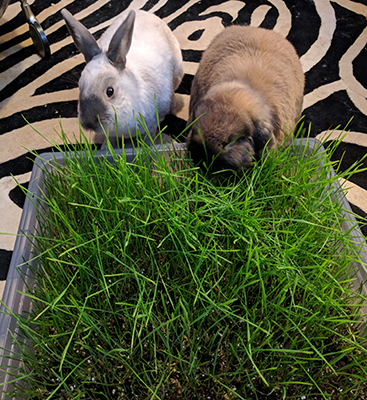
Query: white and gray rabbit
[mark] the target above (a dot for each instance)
(247, 95)
(134, 69)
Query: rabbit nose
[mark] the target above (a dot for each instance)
(88, 124)
(90, 109)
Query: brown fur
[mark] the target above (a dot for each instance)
(247, 94)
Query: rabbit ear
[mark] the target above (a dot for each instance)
(83, 39)
(121, 41)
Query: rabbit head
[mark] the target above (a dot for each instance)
(102, 85)
(248, 93)
(232, 127)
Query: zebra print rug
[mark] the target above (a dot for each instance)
(330, 37)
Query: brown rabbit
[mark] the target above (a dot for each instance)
(247, 95)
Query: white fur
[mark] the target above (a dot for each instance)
(153, 70)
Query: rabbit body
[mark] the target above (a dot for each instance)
(247, 93)
(143, 75)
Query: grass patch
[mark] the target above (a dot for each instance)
(160, 282)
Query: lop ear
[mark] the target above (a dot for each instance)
(263, 139)
(83, 39)
(121, 42)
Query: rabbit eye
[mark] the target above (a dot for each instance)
(109, 92)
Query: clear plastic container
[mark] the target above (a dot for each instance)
(15, 285)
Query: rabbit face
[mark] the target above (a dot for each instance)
(101, 96)
(233, 126)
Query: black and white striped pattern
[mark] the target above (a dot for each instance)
(330, 37)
